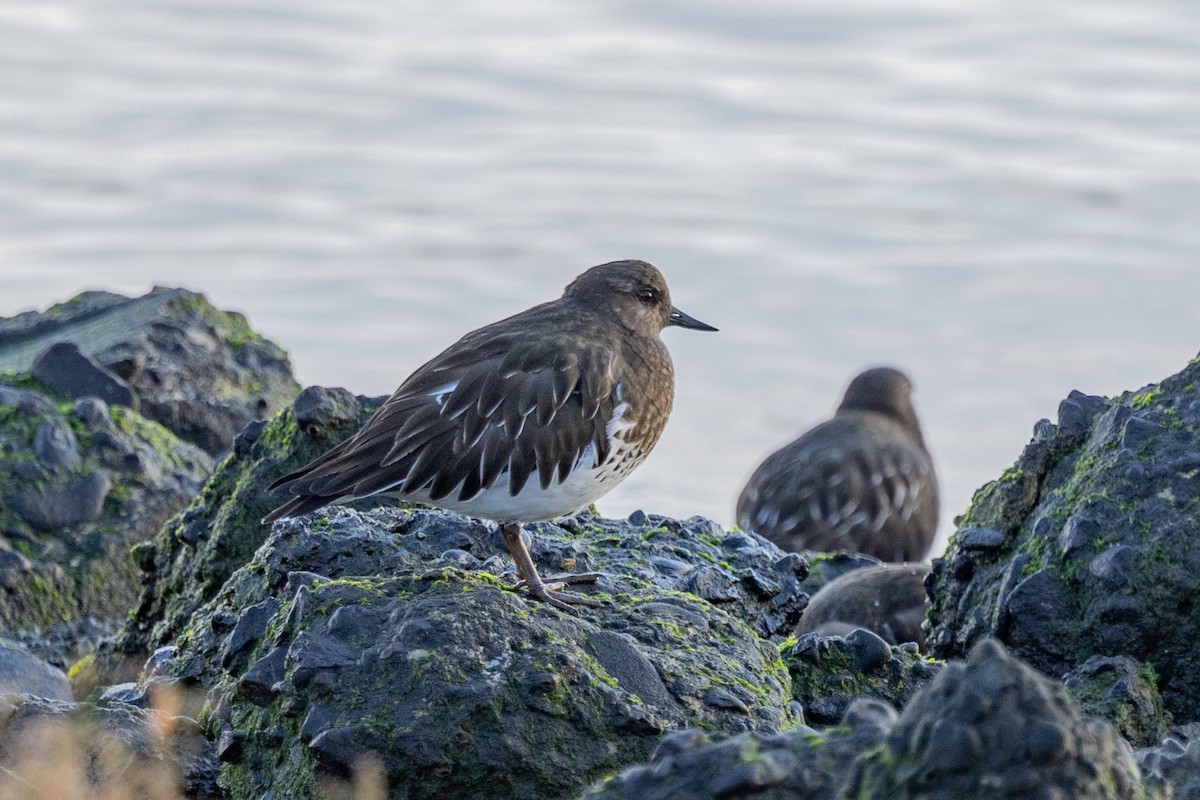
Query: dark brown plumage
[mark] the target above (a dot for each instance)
(888, 599)
(860, 482)
(529, 418)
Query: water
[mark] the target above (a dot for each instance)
(1001, 199)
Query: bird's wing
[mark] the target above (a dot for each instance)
(467, 418)
(832, 495)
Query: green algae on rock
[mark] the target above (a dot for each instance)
(994, 727)
(190, 559)
(1087, 546)
(200, 372)
(80, 483)
(397, 632)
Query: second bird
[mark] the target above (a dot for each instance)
(861, 482)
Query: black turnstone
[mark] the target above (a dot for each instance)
(527, 419)
(861, 482)
(888, 599)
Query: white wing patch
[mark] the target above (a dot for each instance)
(440, 394)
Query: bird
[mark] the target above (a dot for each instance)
(528, 419)
(888, 599)
(862, 481)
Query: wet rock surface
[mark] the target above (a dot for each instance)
(397, 635)
(799, 764)
(397, 631)
(830, 673)
(22, 672)
(189, 559)
(1086, 546)
(994, 726)
(80, 483)
(1124, 692)
(200, 372)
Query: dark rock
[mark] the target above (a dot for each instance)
(124, 694)
(50, 507)
(231, 746)
(30, 404)
(249, 629)
(868, 651)
(55, 446)
(830, 673)
(259, 684)
(200, 372)
(68, 372)
(1122, 691)
(465, 689)
(21, 672)
(338, 750)
(1076, 414)
(980, 539)
(620, 656)
(1035, 740)
(75, 508)
(799, 764)
(1097, 558)
(94, 414)
(318, 408)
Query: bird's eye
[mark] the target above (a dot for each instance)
(648, 296)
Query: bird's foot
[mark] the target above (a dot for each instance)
(563, 601)
(551, 591)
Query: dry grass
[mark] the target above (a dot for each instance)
(74, 757)
(56, 757)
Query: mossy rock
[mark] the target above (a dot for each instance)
(200, 372)
(80, 484)
(369, 633)
(1088, 545)
(189, 560)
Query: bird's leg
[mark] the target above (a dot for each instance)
(511, 531)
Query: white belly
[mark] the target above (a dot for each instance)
(583, 486)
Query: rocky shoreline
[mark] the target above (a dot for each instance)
(146, 611)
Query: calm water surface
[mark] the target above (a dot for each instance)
(1002, 199)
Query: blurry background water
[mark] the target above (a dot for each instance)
(1003, 199)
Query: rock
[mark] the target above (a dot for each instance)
(352, 636)
(886, 599)
(1173, 768)
(109, 750)
(1124, 692)
(830, 673)
(199, 372)
(995, 723)
(1095, 557)
(55, 446)
(190, 559)
(50, 507)
(800, 764)
(67, 372)
(21, 672)
(80, 483)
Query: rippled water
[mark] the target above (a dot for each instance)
(1002, 199)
